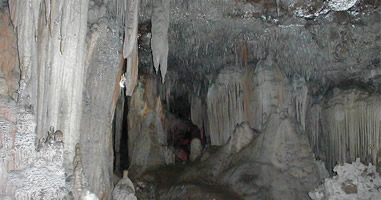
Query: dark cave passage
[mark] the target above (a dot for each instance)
(120, 136)
(178, 127)
(181, 131)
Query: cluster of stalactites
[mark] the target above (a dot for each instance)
(350, 128)
(128, 12)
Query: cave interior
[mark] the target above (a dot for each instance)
(190, 99)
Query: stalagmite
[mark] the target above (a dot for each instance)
(124, 189)
(241, 137)
(159, 42)
(147, 140)
(195, 148)
(80, 180)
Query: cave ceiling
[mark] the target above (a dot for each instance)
(326, 42)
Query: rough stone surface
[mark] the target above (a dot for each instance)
(147, 140)
(9, 63)
(264, 168)
(241, 137)
(102, 71)
(28, 170)
(195, 149)
(353, 181)
(193, 191)
(124, 190)
(51, 46)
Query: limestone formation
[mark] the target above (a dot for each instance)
(264, 162)
(25, 170)
(9, 65)
(149, 151)
(195, 149)
(50, 138)
(300, 91)
(378, 165)
(241, 137)
(128, 13)
(341, 5)
(80, 181)
(51, 75)
(223, 98)
(348, 121)
(58, 136)
(147, 144)
(353, 181)
(102, 71)
(291, 69)
(159, 41)
(241, 95)
(124, 189)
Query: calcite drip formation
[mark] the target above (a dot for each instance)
(261, 122)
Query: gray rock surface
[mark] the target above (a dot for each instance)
(98, 105)
(353, 181)
(124, 189)
(195, 149)
(51, 46)
(265, 166)
(344, 126)
(147, 140)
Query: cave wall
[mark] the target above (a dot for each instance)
(102, 71)
(314, 45)
(344, 126)
(29, 169)
(51, 48)
(69, 53)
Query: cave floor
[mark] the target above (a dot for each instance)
(166, 183)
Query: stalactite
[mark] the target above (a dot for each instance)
(132, 72)
(300, 100)
(130, 15)
(240, 95)
(350, 121)
(128, 12)
(159, 42)
(225, 106)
